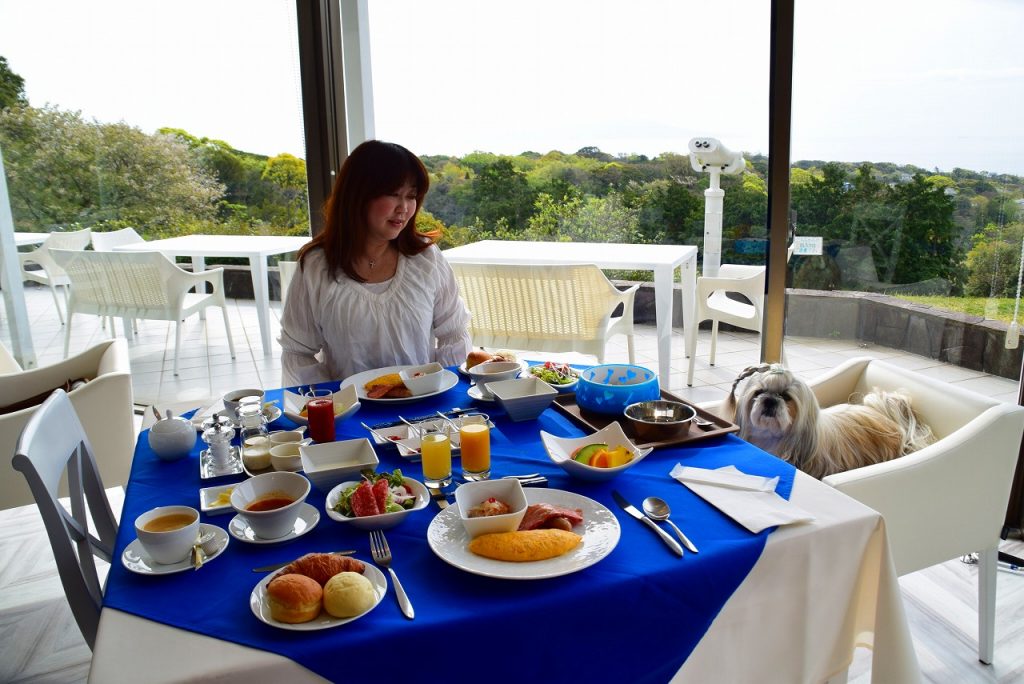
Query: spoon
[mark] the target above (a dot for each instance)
(657, 509)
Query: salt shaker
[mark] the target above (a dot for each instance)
(218, 433)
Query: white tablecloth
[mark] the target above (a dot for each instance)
(818, 591)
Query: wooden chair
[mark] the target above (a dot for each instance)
(144, 285)
(54, 445)
(545, 308)
(50, 273)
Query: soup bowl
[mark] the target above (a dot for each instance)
(270, 502)
(167, 533)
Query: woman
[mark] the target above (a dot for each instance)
(369, 291)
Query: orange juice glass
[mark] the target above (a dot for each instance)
(436, 452)
(475, 443)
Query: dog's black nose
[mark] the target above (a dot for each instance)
(768, 406)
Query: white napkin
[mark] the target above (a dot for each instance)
(750, 500)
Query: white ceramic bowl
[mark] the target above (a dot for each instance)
(423, 379)
(287, 436)
(279, 521)
(346, 403)
(473, 493)
(560, 450)
(523, 398)
(286, 457)
(493, 371)
(172, 438)
(384, 521)
(170, 546)
(328, 464)
(232, 398)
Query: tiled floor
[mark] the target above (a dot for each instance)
(207, 369)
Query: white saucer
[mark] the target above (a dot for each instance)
(475, 393)
(307, 520)
(137, 560)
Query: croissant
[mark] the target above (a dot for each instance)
(322, 566)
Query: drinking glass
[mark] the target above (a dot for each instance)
(320, 414)
(475, 444)
(436, 453)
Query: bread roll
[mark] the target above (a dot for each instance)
(294, 598)
(322, 566)
(475, 357)
(524, 545)
(348, 594)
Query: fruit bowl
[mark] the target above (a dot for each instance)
(563, 450)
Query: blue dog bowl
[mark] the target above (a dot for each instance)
(610, 388)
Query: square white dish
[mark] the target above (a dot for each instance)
(331, 463)
(209, 503)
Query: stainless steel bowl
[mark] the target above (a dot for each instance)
(660, 419)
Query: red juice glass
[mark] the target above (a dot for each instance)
(320, 414)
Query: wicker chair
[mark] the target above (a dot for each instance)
(549, 308)
(144, 285)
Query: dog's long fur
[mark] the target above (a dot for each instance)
(779, 413)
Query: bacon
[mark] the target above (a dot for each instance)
(378, 391)
(380, 494)
(539, 515)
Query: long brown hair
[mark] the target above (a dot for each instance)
(373, 169)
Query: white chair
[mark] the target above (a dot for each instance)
(106, 242)
(948, 499)
(50, 273)
(8, 364)
(714, 303)
(104, 404)
(144, 285)
(287, 271)
(45, 455)
(545, 308)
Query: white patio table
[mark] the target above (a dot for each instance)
(663, 260)
(23, 239)
(256, 248)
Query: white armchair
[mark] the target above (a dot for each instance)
(104, 404)
(950, 498)
(144, 285)
(714, 303)
(545, 308)
(49, 272)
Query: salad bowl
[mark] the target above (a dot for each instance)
(382, 521)
(561, 376)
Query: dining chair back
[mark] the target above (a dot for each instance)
(106, 242)
(52, 446)
(715, 304)
(545, 308)
(49, 272)
(144, 285)
(948, 499)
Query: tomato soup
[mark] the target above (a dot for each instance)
(166, 523)
(270, 502)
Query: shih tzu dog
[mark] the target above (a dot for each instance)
(779, 413)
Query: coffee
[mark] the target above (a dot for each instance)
(166, 523)
(270, 502)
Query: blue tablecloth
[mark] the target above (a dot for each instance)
(633, 617)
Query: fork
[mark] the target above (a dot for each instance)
(382, 556)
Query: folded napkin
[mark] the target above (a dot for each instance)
(750, 500)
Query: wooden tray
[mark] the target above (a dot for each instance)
(566, 404)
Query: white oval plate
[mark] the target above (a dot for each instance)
(260, 608)
(600, 531)
(475, 393)
(138, 561)
(359, 379)
(307, 520)
(465, 371)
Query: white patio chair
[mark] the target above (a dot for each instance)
(104, 404)
(948, 499)
(144, 285)
(106, 242)
(52, 445)
(545, 308)
(714, 303)
(8, 364)
(49, 273)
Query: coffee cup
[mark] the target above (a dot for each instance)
(167, 533)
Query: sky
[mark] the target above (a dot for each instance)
(936, 83)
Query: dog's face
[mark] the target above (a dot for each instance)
(775, 405)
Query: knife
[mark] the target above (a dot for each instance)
(278, 566)
(629, 508)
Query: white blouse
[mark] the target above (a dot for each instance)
(334, 328)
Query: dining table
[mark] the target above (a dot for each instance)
(661, 260)
(787, 604)
(255, 248)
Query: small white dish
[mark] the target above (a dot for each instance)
(523, 398)
(307, 519)
(346, 403)
(560, 450)
(384, 521)
(425, 379)
(261, 608)
(135, 558)
(328, 464)
(209, 499)
(471, 494)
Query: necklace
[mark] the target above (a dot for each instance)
(379, 257)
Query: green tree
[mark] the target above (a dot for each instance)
(12, 86)
(502, 192)
(993, 262)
